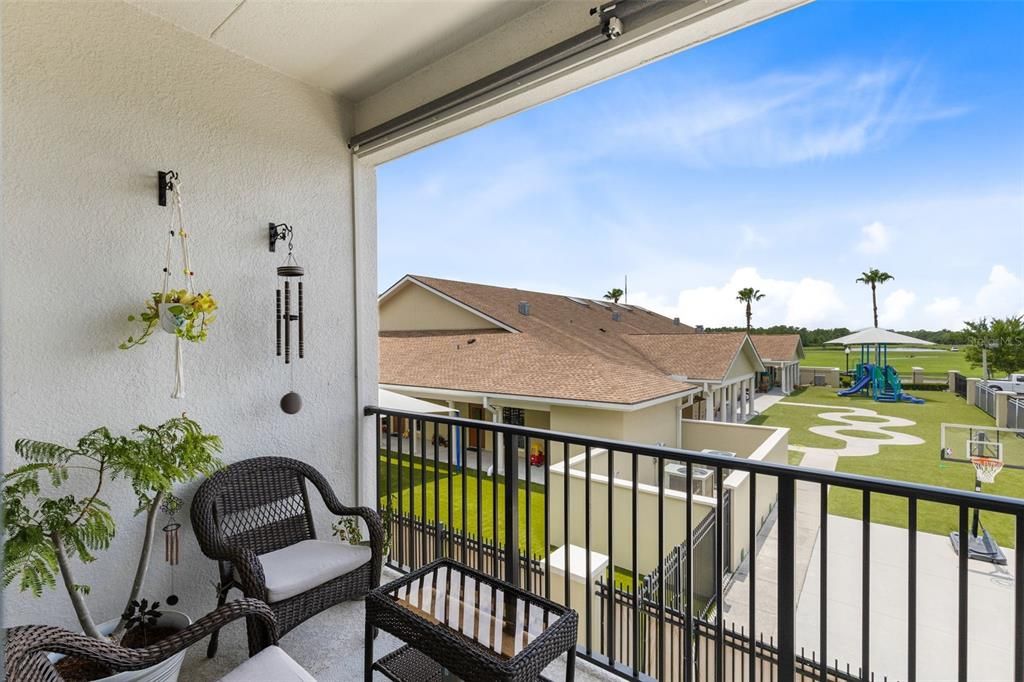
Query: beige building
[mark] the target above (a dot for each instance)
(781, 354)
(556, 362)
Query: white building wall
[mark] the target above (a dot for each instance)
(96, 98)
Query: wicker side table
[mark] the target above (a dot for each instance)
(461, 624)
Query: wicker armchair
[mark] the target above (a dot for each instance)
(254, 518)
(26, 647)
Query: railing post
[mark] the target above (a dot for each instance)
(786, 596)
(511, 453)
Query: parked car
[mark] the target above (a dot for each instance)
(1015, 384)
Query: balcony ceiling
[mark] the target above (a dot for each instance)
(353, 48)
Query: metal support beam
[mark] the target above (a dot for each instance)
(512, 510)
(786, 588)
(626, 16)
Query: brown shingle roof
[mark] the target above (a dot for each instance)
(564, 349)
(778, 347)
(695, 356)
(516, 364)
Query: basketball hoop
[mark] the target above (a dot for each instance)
(987, 468)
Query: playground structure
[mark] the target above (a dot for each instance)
(989, 450)
(874, 374)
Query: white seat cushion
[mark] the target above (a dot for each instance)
(293, 570)
(270, 665)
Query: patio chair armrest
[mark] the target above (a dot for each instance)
(26, 644)
(248, 572)
(376, 528)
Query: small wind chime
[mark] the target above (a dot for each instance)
(172, 540)
(185, 313)
(289, 309)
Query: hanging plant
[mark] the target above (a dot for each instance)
(182, 312)
(176, 312)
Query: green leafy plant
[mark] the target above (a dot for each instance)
(347, 529)
(45, 531)
(996, 344)
(141, 614)
(192, 314)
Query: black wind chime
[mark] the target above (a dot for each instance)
(172, 541)
(289, 310)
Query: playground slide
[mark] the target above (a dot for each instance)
(907, 398)
(858, 386)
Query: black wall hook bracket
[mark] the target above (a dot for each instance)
(164, 183)
(279, 232)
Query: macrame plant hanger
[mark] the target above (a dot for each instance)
(167, 320)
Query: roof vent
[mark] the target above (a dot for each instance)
(675, 321)
(524, 308)
(603, 329)
(616, 316)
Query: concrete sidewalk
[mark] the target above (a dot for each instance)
(990, 606)
(808, 523)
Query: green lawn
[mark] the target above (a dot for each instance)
(452, 483)
(932, 362)
(918, 463)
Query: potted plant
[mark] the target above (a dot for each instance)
(47, 530)
(347, 528)
(177, 312)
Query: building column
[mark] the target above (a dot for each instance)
(721, 404)
(737, 402)
(748, 410)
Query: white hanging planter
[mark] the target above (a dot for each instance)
(164, 671)
(170, 322)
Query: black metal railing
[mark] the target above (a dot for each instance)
(473, 482)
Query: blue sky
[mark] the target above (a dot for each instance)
(788, 156)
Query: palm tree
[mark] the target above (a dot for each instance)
(875, 278)
(614, 295)
(748, 295)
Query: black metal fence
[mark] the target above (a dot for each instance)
(704, 649)
(960, 385)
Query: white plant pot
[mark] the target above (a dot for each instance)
(165, 671)
(169, 322)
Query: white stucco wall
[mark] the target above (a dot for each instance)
(96, 98)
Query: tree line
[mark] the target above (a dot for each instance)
(817, 337)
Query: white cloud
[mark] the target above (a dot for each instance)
(945, 312)
(874, 238)
(892, 312)
(803, 302)
(1002, 294)
(782, 117)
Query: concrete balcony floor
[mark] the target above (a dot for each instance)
(330, 647)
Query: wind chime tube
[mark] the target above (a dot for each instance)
(172, 543)
(278, 323)
(287, 323)
(302, 349)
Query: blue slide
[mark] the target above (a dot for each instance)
(858, 386)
